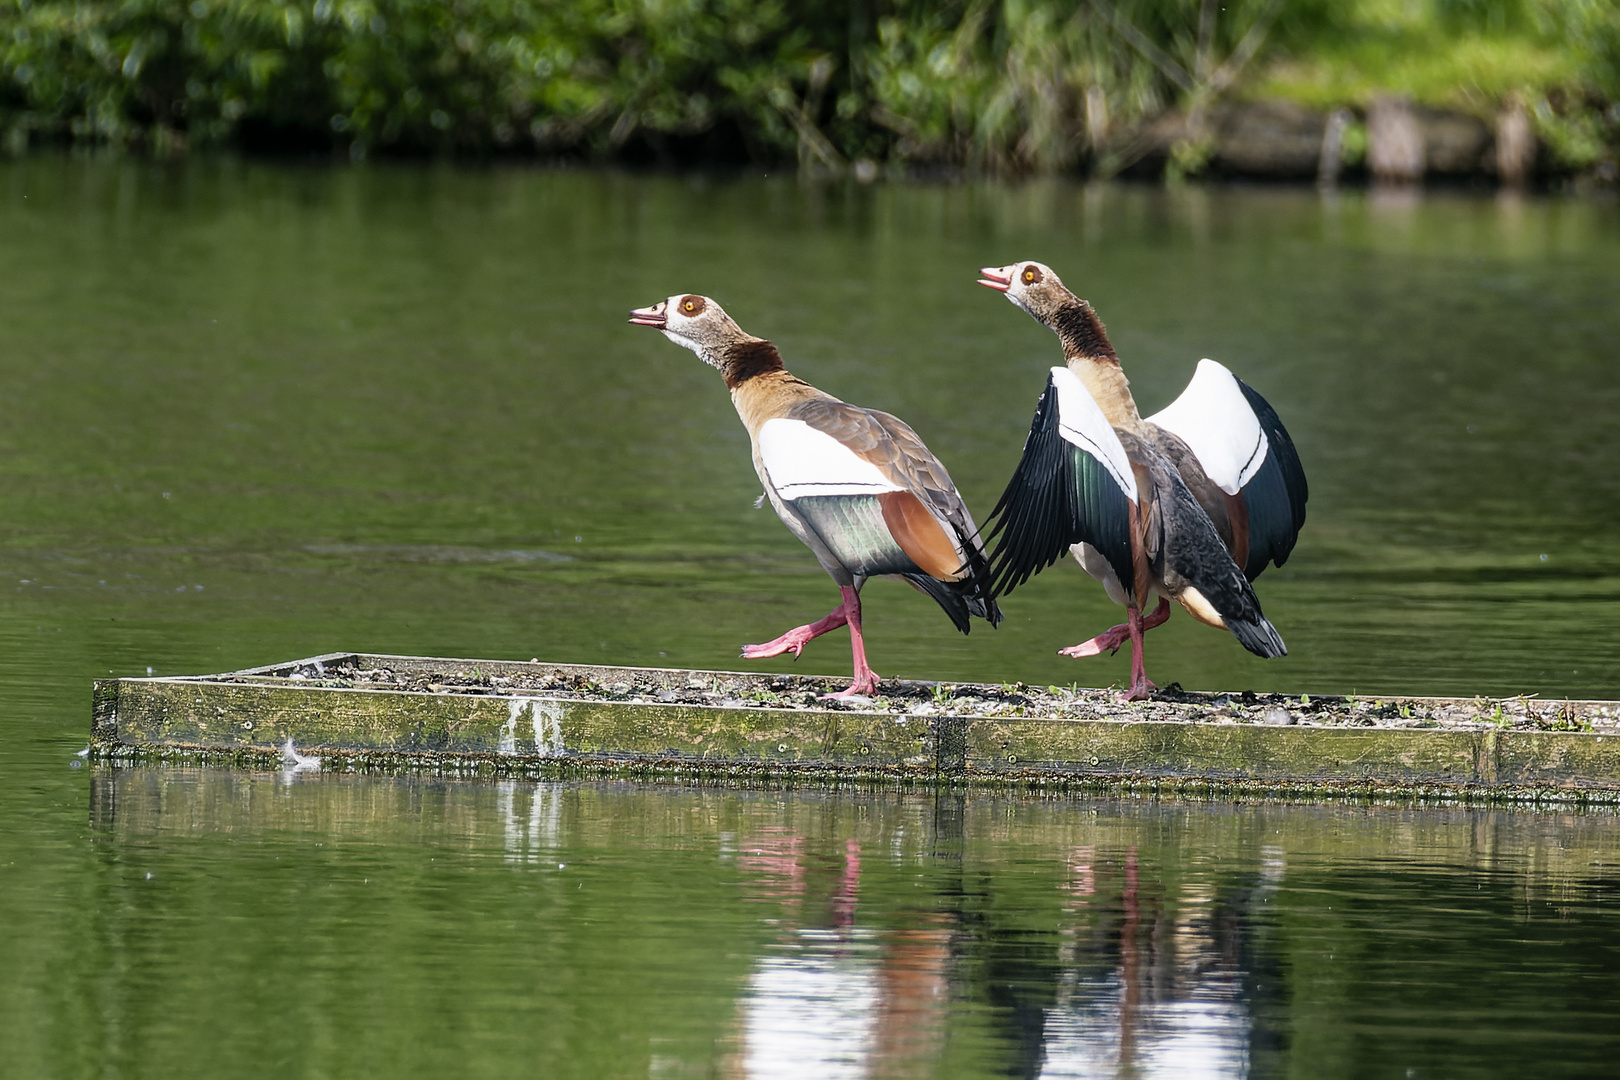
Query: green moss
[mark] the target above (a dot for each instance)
(246, 723)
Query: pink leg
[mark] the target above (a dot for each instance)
(1140, 686)
(797, 638)
(1111, 639)
(866, 679)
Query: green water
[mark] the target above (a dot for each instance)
(231, 925)
(251, 413)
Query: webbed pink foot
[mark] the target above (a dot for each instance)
(861, 687)
(797, 638)
(1108, 641)
(1139, 691)
(793, 641)
(1111, 639)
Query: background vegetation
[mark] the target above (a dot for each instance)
(993, 85)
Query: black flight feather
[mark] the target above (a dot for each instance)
(1059, 495)
(1276, 495)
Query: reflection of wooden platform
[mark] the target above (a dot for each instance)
(361, 712)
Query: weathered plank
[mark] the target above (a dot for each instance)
(477, 716)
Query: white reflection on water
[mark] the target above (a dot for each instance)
(832, 999)
(1173, 1006)
(811, 1008)
(531, 818)
(1097, 1030)
(839, 1001)
(811, 1012)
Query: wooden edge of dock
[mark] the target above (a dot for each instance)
(245, 719)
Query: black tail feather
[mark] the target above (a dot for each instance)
(949, 595)
(1258, 636)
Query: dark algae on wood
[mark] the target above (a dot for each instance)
(360, 712)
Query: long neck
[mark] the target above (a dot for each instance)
(1092, 358)
(1109, 388)
(1081, 332)
(748, 359)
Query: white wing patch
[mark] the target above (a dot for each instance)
(1214, 419)
(1082, 423)
(803, 461)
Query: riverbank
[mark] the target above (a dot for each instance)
(1513, 91)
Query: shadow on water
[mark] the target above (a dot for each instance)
(624, 930)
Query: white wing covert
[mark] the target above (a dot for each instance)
(1217, 423)
(802, 461)
(1245, 451)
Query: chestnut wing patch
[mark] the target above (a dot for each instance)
(920, 535)
(929, 527)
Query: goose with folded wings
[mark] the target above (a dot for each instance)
(857, 486)
(1190, 504)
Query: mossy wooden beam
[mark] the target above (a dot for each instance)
(248, 716)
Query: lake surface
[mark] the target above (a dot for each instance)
(219, 924)
(251, 413)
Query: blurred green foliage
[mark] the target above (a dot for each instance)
(998, 85)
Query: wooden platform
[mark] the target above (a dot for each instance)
(391, 713)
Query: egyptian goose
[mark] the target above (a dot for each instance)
(1188, 504)
(856, 485)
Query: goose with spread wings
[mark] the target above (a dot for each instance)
(1189, 504)
(856, 485)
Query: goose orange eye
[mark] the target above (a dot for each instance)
(693, 305)
(1031, 275)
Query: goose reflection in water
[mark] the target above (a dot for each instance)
(835, 1000)
(1131, 980)
(1175, 1001)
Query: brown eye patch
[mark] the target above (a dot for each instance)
(1031, 275)
(693, 305)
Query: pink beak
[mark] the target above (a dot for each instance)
(998, 278)
(650, 316)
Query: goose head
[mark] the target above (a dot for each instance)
(1032, 286)
(1041, 293)
(693, 322)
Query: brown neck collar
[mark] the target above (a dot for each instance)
(1082, 333)
(742, 360)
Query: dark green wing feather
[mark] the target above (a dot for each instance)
(1061, 494)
